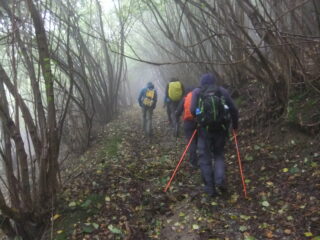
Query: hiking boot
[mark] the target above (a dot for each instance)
(213, 194)
(207, 198)
(222, 189)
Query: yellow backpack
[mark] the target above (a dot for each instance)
(149, 98)
(175, 91)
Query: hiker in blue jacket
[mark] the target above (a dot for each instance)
(211, 142)
(147, 101)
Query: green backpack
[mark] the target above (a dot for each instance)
(212, 111)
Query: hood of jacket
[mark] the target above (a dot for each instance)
(150, 85)
(208, 79)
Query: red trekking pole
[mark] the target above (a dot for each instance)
(180, 161)
(240, 165)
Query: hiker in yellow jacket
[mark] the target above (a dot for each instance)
(173, 95)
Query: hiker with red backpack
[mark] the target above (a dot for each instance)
(213, 109)
(189, 125)
(147, 100)
(173, 94)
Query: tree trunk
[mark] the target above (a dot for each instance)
(49, 161)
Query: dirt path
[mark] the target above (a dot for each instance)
(115, 191)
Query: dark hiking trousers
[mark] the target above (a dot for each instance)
(189, 128)
(211, 158)
(147, 120)
(171, 109)
(173, 120)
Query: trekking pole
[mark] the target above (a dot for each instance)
(176, 149)
(180, 161)
(240, 165)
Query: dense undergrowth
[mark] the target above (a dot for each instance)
(115, 190)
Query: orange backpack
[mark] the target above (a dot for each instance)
(187, 104)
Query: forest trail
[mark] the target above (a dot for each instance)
(115, 190)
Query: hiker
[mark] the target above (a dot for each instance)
(173, 95)
(212, 106)
(147, 101)
(189, 125)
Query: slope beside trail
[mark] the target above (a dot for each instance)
(115, 190)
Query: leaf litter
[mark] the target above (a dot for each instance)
(116, 189)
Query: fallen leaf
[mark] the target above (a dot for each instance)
(269, 234)
(55, 217)
(249, 238)
(289, 218)
(234, 198)
(244, 217)
(256, 147)
(242, 228)
(195, 227)
(114, 230)
(294, 170)
(72, 204)
(314, 164)
(308, 234)
(95, 225)
(270, 184)
(181, 214)
(248, 158)
(287, 231)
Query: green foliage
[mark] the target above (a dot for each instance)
(112, 146)
(78, 211)
(291, 111)
(240, 101)
(301, 107)
(64, 228)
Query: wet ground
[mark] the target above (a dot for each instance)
(115, 190)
